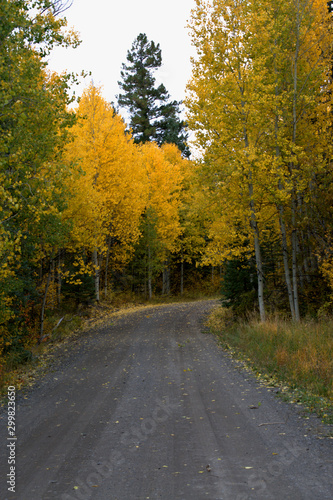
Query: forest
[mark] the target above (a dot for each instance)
(91, 206)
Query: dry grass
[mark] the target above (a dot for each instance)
(297, 354)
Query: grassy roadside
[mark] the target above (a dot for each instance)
(296, 357)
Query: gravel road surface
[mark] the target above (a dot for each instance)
(148, 406)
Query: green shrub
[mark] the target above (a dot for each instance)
(239, 286)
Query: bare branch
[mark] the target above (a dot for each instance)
(58, 6)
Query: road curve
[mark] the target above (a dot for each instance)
(147, 406)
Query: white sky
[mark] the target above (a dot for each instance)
(108, 28)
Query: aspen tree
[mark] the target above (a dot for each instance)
(257, 101)
(33, 128)
(161, 223)
(295, 44)
(108, 184)
(222, 112)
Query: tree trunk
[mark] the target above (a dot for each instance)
(182, 278)
(259, 267)
(107, 259)
(150, 291)
(283, 231)
(59, 280)
(257, 250)
(292, 167)
(255, 229)
(166, 279)
(286, 263)
(294, 261)
(42, 315)
(182, 266)
(97, 274)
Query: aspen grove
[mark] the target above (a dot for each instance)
(88, 209)
(259, 102)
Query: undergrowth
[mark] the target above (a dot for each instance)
(297, 355)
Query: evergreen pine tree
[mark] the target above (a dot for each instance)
(153, 116)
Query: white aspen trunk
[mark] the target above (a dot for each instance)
(59, 280)
(150, 291)
(107, 259)
(306, 256)
(42, 316)
(294, 200)
(295, 286)
(306, 269)
(260, 279)
(182, 267)
(255, 229)
(97, 272)
(54, 299)
(294, 262)
(286, 263)
(258, 257)
(283, 231)
(145, 288)
(164, 279)
(168, 277)
(257, 250)
(182, 278)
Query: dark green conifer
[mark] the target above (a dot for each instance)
(153, 116)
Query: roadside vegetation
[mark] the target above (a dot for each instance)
(296, 357)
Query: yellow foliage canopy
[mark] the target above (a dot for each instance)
(163, 169)
(109, 192)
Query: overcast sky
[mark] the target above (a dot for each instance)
(108, 28)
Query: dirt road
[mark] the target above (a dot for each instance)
(149, 407)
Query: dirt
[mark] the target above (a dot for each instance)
(146, 405)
